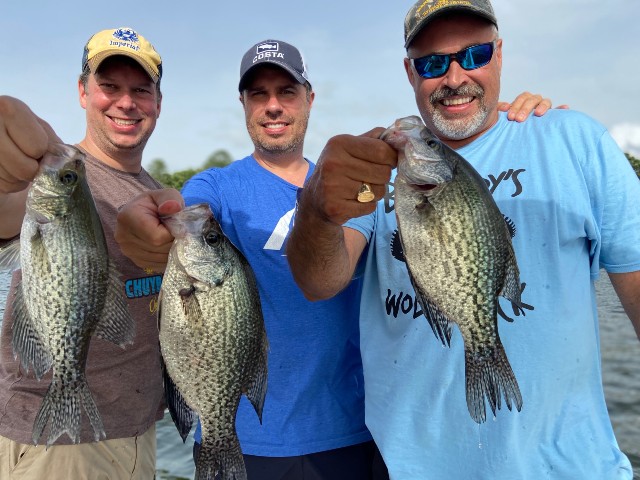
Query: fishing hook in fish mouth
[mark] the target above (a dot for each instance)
(365, 194)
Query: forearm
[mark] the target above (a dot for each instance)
(627, 286)
(319, 257)
(12, 210)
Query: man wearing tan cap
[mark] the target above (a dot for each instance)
(119, 88)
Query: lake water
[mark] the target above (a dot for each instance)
(621, 373)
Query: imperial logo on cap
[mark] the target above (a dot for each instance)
(122, 41)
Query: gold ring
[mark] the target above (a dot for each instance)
(365, 194)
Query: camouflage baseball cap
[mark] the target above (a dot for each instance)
(424, 11)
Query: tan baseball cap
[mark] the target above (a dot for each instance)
(122, 41)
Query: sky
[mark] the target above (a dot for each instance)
(584, 53)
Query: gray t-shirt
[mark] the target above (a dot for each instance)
(126, 383)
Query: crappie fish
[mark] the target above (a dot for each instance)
(459, 255)
(69, 292)
(212, 338)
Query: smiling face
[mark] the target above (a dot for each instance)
(122, 105)
(277, 110)
(462, 104)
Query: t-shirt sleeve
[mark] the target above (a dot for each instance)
(615, 193)
(203, 188)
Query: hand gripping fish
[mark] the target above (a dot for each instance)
(212, 338)
(70, 291)
(459, 256)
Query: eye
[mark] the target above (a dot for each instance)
(432, 143)
(68, 177)
(212, 238)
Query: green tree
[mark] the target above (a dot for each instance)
(219, 158)
(157, 168)
(635, 163)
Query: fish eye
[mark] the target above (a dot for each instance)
(212, 238)
(68, 177)
(432, 143)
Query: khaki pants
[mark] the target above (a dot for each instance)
(118, 459)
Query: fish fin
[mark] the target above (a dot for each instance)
(257, 390)
(116, 324)
(10, 254)
(511, 290)
(490, 378)
(438, 321)
(26, 341)
(62, 406)
(223, 463)
(181, 414)
(191, 306)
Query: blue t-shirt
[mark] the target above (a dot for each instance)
(315, 391)
(572, 199)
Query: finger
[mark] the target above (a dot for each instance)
(24, 128)
(169, 207)
(164, 195)
(504, 106)
(542, 107)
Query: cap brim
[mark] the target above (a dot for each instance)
(95, 61)
(299, 78)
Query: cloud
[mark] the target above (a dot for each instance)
(627, 136)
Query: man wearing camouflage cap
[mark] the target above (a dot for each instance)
(558, 173)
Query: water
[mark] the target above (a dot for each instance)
(621, 373)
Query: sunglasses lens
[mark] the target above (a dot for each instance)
(431, 66)
(476, 56)
(436, 65)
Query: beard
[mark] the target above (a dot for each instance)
(461, 128)
(290, 143)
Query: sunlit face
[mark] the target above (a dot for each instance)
(122, 106)
(276, 109)
(462, 104)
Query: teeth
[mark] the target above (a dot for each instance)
(276, 125)
(121, 121)
(456, 101)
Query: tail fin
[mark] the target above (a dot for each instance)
(490, 378)
(214, 462)
(62, 405)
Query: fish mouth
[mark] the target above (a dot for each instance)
(423, 187)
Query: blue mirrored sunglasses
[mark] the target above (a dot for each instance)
(470, 58)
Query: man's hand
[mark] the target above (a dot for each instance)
(524, 104)
(24, 139)
(346, 162)
(139, 231)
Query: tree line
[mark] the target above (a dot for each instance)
(220, 158)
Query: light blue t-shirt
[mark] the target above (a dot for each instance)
(315, 391)
(573, 200)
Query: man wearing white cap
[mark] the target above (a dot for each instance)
(120, 90)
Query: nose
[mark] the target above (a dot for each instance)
(455, 76)
(273, 106)
(126, 102)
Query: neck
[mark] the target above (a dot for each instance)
(127, 161)
(291, 167)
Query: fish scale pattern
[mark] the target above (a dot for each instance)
(213, 341)
(459, 255)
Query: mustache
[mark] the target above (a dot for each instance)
(463, 91)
